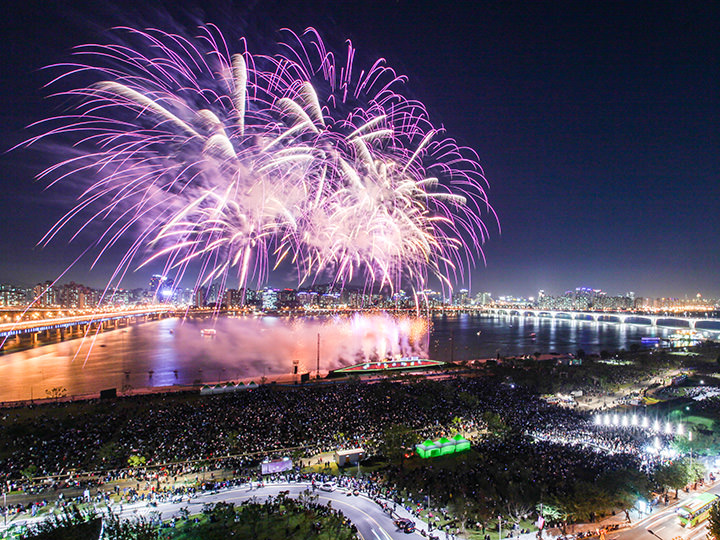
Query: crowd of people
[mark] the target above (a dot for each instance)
(523, 448)
(180, 427)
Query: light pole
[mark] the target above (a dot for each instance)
(499, 527)
(691, 453)
(655, 535)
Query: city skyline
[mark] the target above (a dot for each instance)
(162, 289)
(594, 126)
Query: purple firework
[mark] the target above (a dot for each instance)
(237, 163)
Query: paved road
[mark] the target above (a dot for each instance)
(368, 516)
(665, 524)
(374, 524)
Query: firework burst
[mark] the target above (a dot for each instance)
(238, 163)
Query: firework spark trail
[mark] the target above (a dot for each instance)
(241, 162)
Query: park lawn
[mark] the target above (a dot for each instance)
(707, 423)
(326, 468)
(366, 469)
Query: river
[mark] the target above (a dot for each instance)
(173, 352)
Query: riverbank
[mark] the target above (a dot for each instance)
(173, 352)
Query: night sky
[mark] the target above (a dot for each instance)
(597, 125)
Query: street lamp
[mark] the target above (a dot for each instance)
(655, 535)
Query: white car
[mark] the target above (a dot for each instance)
(328, 486)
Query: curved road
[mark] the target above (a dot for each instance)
(375, 524)
(368, 516)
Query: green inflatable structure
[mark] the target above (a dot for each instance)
(442, 447)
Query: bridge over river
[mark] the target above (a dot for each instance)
(700, 324)
(39, 326)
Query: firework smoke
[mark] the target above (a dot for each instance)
(237, 163)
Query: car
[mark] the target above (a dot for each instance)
(328, 486)
(405, 525)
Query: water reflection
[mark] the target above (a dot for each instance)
(173, 352)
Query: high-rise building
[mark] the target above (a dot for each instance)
(45, 294)
(76, 296)
(10, 295)
(200, 294)
(269, 298)
(161, 288)
(234, 298)
(214, 294)
(461, 298)
(307, 297)
(287, 298)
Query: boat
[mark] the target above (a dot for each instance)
(208, 332)
(389, 364)
(479, 332)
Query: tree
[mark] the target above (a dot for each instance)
(397, 439)
(459, 507)
(624, 488)
(517, 510)
(139, 528)
(589, 500)
(673, 475)
(560, 509)
(136, 460)
(495, 424)
(72, 523)
(551, 513)
(696, 470)
(29, 472)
